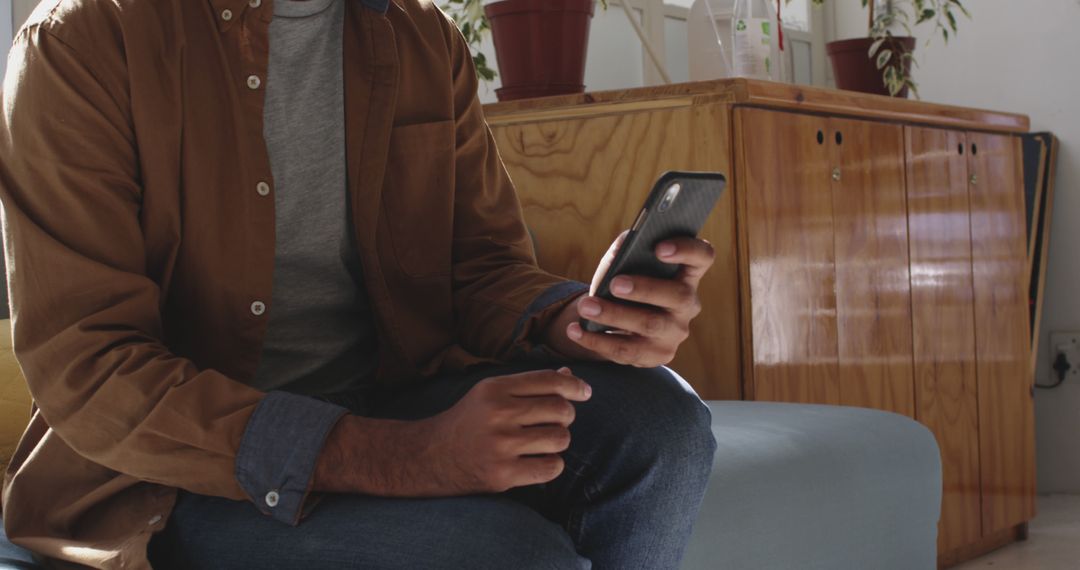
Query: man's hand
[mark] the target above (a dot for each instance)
(506, 432)
(646, 336)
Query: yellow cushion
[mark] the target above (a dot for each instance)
(14, 397)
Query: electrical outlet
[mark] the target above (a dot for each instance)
(1067, 344)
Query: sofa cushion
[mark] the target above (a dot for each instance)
(818, 488)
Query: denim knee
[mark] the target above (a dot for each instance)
(514, 538)
(651, 411)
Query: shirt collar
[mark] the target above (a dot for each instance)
(237, 6)
(379, 6)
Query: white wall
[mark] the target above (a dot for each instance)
(999, 61)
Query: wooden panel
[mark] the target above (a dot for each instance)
(984, 545)
(853, 104)
(943, 322)
(581, 181)
(999, 251)
(785, 182)
(873, 298)
(780, 96)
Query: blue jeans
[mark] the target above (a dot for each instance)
(636, 470)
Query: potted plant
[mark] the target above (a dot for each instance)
(541, 45)
(881, 63)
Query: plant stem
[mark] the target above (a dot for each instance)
(871, 25)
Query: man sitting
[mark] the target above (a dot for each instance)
(274, 299)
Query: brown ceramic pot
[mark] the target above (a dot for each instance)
(541, 46)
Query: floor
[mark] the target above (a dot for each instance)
(1053, 543)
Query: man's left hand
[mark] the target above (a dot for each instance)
(644, 336)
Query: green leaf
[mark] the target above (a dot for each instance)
(926, 14)
(961, 6)
(874, 47)
(883, 58)
(952, 20)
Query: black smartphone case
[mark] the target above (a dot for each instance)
(684, 218)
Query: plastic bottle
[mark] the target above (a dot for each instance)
(709, 35)
(755, 41)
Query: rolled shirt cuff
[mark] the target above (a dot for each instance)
(279, 449)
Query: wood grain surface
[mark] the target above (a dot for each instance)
(873, 297)
(1003, 342)
(581, 181)
(786, 183)
(899, 284)
(943, 322)
(774, 95)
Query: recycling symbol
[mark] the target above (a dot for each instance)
(740, 26)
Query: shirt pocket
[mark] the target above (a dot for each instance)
(418, 197)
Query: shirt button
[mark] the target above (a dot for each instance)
(272, 499)
(226, 15)
(154, 520)
(258, 308)
(253, 82)
(262, 188)
(255, 3)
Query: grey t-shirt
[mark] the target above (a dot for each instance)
(321, 337)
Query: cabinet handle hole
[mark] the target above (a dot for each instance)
(974, 148)
(839, 138)
(820, 137)
(960, 148)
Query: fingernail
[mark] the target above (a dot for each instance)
(588, 390)
(574, 331)
(622, 285)
(564, 371)
(589, 307)
(665, 250)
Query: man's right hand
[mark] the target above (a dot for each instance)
(506, 432)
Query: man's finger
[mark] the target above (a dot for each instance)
(535, 470)
(539, 410)
(675, 295)
(548, 383)
(621, 349)
(695, 255)
(542, 440)
(645, 321)
(606, 260)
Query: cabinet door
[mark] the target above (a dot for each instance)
(943, 322)
(873, 301)
(1002, 342)
(785, 192)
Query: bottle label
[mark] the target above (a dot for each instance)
(753, 45)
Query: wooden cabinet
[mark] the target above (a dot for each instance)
(943, 321)
(789, 235)
(1002, 336)
(871, 252)
(827, 239)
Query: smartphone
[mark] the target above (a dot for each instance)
(677, 206)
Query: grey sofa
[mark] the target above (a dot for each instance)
(803, 487)
(811, 487)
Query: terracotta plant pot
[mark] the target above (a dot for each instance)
(541, 46)
(856, 70)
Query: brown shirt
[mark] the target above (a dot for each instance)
(140, 244)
